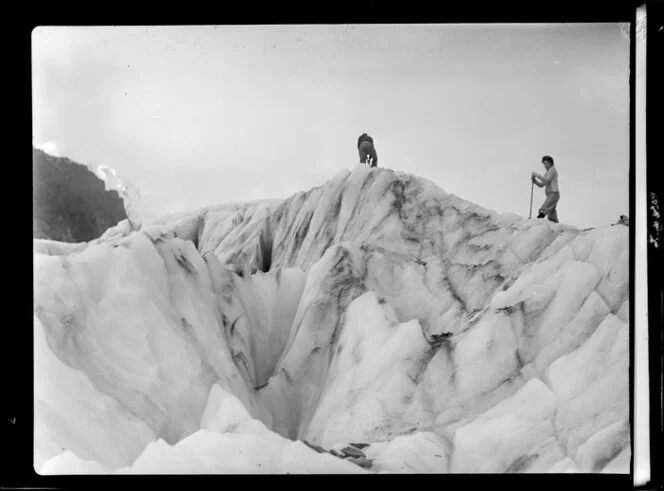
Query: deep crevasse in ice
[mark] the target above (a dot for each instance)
(376, 308)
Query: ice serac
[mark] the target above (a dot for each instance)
(376, 312)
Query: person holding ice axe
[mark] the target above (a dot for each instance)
(550, 183)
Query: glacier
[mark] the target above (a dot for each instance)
(373, 324)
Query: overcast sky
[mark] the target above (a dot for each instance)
(201, 115)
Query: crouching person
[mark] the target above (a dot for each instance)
(367, 150)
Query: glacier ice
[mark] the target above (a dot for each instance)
(377, 308)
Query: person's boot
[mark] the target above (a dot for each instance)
(541, 215)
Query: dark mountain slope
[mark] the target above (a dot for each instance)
(69, 201)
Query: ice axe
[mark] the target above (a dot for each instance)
(532, 186)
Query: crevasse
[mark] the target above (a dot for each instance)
(376, 308)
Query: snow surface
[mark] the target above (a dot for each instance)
(376, 310)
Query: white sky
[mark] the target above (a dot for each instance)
(201, 115)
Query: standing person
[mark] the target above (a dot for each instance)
(367, 151)
(550, 183)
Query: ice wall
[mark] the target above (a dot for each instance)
(376, 308)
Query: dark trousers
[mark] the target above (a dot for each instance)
(367, 151)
